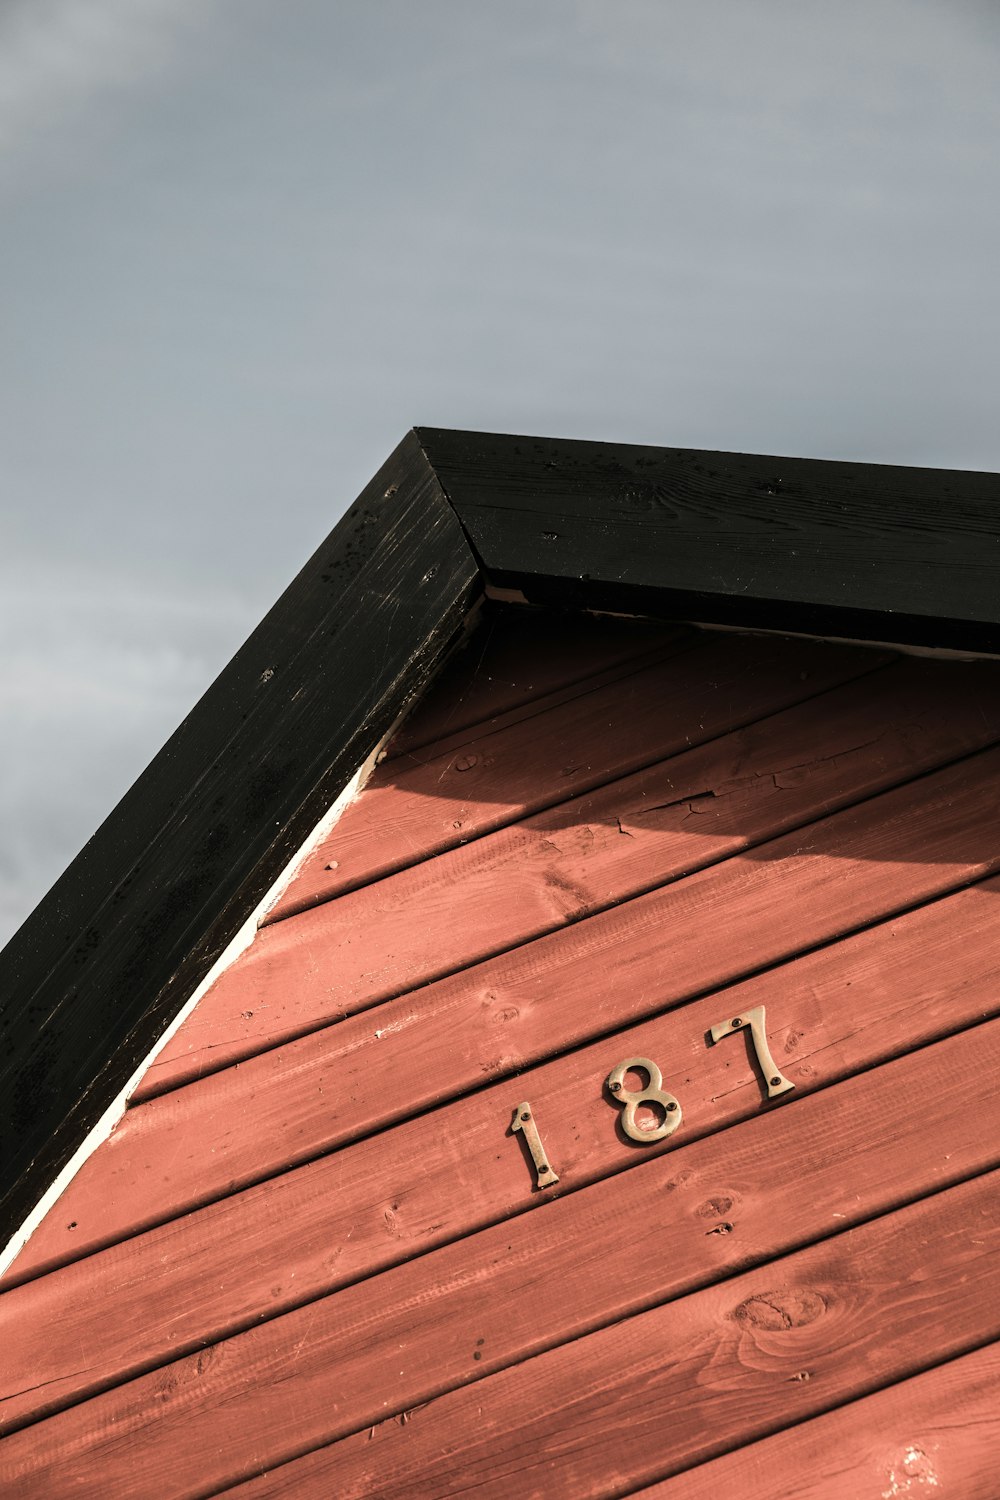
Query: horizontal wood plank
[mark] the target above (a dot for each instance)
(567, 862)
(829, 1013)
(318, 880)
(518, 661)
(424, 1184)
(404, 1339)
(418, 806)
(936, 1434)
(597, 850)
(855, 866)
(685, 1381)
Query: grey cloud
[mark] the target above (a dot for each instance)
(58, 56)
(246, 246)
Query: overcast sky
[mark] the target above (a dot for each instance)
(246, 244)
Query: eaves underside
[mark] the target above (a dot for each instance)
(105, 964)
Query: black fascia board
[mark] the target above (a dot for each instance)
(102, 967)
(857, 551)
(107, 961)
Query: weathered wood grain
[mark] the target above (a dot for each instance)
(108, 959)
(317, 880)
(681, 638)
(934, 1435)
(560, 865)
(400, 1194)
(686, 1381)
(518, 661)
(896, 850)
(395, 1343)
(868, 551)
(597, 850)
(420, 805)
(834, 1011)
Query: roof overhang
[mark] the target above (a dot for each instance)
(109, 959)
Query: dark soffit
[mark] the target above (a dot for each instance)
(106, 962)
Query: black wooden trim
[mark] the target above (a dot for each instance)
(860, 551)
(105, 963)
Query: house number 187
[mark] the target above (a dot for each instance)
(654, 1096)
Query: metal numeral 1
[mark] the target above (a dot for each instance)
(524, 1121)
(776, 1082)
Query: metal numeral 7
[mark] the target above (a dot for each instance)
(777, 1083)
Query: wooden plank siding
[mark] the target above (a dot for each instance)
(890, 1446)
(511, 670)
(313, 1259)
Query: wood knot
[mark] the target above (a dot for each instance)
(916, 1465)
(391, 1222)
(792, 1307)
(714, 1208)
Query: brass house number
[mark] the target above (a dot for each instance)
(654, 1094)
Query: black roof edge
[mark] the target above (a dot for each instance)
(105, 964)
(819, 547)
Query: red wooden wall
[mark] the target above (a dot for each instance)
(313, 1260)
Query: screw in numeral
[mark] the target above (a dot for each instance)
(653, 1093)
(774, 1081)
(524, 1122)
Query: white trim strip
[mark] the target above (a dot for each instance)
(238, 945)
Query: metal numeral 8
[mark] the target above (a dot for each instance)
(653, 1093)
